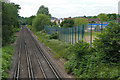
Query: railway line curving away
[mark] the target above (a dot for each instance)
(30, 60)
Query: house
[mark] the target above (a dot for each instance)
(60, 20)
(53, 19)
(95, 20)
(118, 20)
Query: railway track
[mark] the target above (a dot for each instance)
(32, 62)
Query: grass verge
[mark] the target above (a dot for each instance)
(7, 52)
(59, 47)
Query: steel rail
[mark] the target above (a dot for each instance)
(30, 71)
(16, 72)
(58, 76)
(39, 62)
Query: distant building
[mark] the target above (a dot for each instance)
(60, 20)
(53, 19)
(118, 19)
(95, 20)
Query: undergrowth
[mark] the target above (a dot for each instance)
(7, 52)
(59, 47)
(84, 61)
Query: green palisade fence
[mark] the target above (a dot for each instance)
(74, 34)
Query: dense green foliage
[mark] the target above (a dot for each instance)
(67, 23)
(58, 47)
(53, 24)
(107, 17)
(54, 36)
(112, 17)
(100, 61)
(85, 62)
(39, 22)
(43, 10)
(75, 55)
(80, 21)
(22, 20)
(10, 25)
(9, 21)
(29, 20)
(6, 59)
(103, 17)
(109, 42)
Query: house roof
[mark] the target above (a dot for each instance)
(93, 19)
(69, 18)
(52, 18)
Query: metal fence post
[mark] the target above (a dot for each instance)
(91, 35)
(68, 34)
(58, 34)
(64, 35)
(61, 34)
(72, 35)
(82, 32)
(75, 34)
(101, 26)
(78, 33)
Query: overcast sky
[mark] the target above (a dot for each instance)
(67, 8)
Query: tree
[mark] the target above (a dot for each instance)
(30, 19)
(53, 24)
(84, 16)
(43, 10)
(103, 17)
(80, 21)
(112, 16)
(94, 16)
(108, 43)
(39, 22)
(9, 21)
(22, 20)
(67, 23)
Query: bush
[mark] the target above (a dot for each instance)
(67, 23)
(59, 47)
(54, 36)
(80, 21)
(39, 22)
(108, 43)
(86, 62)
(6, 59)
(76, 53)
